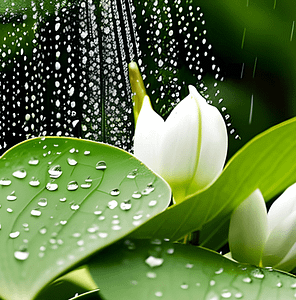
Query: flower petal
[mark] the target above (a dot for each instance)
(179, 146)
(213, 144)
(288, 263)
(282, 207)
(280, 241)
(248, 229)
(147, 136)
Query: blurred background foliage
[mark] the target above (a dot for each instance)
(239, 54)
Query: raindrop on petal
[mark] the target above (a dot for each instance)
(101, 165)
(72, 186)
(20, 174)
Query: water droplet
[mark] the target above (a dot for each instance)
(170, 251)
(212, 282)
(86, 185)
(55, 171)
(238, 295)
(137, 216)
(72, 150)
(115, 192)
(184, 286)
(136, 195)
(151, 275)
(152, 203)
(14, 235)
(152, 261)
(112, 204)
(98, 212)
(126, 205)
(93, 229)
(148, 189)
(86, 152)
(51, 186)
(63, 199)
(247, 280)
(63, 222)
(42, 202)
(75, 206)
(293, 286)
(189, 266)
(33, 162)
(20, 174)
(103, 234)
(101, 165)
(35, 212)
(72, 186)
(12, 196)
(5, 182)
(72, 162)
(219, 271)
(80, 243)
(21, 255)
(257, 273)
(43, 231)
(9, 210)
(34, 182)
(158, 294)
(132, 174)
(226, 294)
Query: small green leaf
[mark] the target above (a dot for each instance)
(141, 269)
(63, 199)
(267, 162)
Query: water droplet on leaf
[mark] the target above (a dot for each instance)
(5, 182)
(72, 186)
(126, 205)
(21, 255)
(33, 162)
(75, 206)
(42, 202)
(151, 275)
(136, 195)
(257, 273)
(152, 203)
(132, 174)
(11, 197)
(112, 204)
(20, 174)
(14, 235)
(43, 231)
(115, 192)
(35, 212)
(86, 152)
(51, 186)
(55, 171)
(101, 165)
(34, 182)
(72, 162)
(148, 189)
(152, 261)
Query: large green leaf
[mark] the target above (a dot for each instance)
(61, 200)
(135, 269)
(267, 162)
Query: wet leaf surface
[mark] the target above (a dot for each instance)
(73, 211)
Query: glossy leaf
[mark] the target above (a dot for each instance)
(267, 162)
(141, 269)
(63, 199)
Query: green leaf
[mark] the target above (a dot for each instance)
(62, 200)
(267, 162)
(125, 271)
